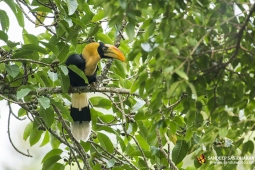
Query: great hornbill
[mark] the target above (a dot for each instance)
(87, 62)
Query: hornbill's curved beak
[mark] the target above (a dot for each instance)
(113, 52)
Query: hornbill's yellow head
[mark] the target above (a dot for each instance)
(100, 50)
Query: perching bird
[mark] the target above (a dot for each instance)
(87, 62)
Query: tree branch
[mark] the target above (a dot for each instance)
(57, 90)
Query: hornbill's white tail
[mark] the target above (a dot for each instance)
(81, 127)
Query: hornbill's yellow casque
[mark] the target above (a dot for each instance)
(87, 62)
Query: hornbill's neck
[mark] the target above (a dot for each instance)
(92, 58)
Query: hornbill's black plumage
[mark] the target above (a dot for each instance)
(87, 62)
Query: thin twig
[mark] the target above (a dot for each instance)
(123, 116)
(171, 164)
(10, 100)
(126, 159)
(24, 59)
(71, 150)
(141, 150)
(113, 155)
(9, 134)
(10, 108)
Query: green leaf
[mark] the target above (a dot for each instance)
(12, 44)
(93, 30)
(49, 163)
(182, 74)
(34, 47)
(12, 70)
(223, 132)
(87, 10)
(179, 120)
(58, 166)
(101, 102)
(4, 20)
(134, 87)
(53, 76)
(63, 51)
(121, 71)
(104, 38)
(42, 78)
(73, 34)
(46, 139)
(100, 15)
(23, 54)
(22, 112)
(80, 23)
(11, 4)
(110, 163)
(240, 104)
(44, 102)
(189, 134)
(35, 136)
(19, 16)
(79, 72)
(47, 114)
(64, 69)
(97, 167)
(193, 89)
(41, 9)
(27, 130)
(172, 89)
(30, 39)
(54, 142)
(248, 147)
(53, 152)
(72, 6)
(130, 28)
(179, 152)
(105, 142)
(16, 11)
(3, 36)
(140, 115)
(173, 127)
(65, 82)
(51, 47)
(107, 118)
(22, 93)
(142, 142)
(2, 67)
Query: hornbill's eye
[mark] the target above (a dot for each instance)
(104, 48)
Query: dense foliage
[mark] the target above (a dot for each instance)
(186, 89)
